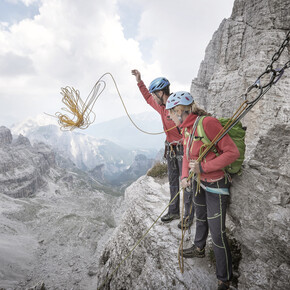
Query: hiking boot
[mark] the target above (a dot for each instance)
(223, 285)
(167, 218)
(193, 251)
(186, 225)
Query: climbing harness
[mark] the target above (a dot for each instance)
(262, 88)
(81, 112)
(172, 153)
(172, 148)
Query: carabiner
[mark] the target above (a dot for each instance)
(257, 85)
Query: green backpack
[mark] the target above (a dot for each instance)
(237, 133)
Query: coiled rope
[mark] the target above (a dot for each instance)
(81, 113)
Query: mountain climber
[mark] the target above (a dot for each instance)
(211, 197)
(156, 97)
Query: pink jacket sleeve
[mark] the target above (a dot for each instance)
(148, 97)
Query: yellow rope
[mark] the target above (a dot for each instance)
(81, 113)
(180, 249)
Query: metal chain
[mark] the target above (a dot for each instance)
(276, 56)
(273, 74)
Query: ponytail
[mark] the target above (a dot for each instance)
(198, 111)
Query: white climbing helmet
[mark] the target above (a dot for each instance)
(179, 98)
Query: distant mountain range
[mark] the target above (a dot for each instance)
(99, 155)
(122, 132)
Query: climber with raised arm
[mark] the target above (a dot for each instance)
(209, 183)
(156, 97)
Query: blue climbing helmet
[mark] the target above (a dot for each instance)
(179, 98)
(158, 84)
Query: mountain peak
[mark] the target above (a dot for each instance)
(33, 122)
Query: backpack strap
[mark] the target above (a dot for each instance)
(206, 141)
(191, 137)
(201, 132)
(203, 137)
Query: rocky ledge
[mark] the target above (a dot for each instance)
(154, 262)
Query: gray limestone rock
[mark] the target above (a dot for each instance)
(237, 55)
(22, 166)
(53, 222)
(153, 264)
(5, 136)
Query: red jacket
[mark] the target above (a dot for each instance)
(211, 165)
(172, 135)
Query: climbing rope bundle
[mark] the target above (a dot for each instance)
(82, 114)
(79, 113)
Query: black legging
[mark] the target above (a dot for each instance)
(210, 211)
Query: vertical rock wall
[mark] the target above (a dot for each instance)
(238, 53)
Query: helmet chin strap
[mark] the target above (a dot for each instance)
(160, 98)
(180, 119)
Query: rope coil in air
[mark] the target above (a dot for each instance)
(81, 113)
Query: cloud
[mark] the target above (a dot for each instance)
(14, 65)
(68, 43)
(181, 30)
(25, 2)
(75, 42)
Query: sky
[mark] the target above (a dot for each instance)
(49, 44)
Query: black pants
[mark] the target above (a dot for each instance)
(210, 211)
(174, 156)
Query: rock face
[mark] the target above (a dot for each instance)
(22, 166)
(5, 136)
(238, 53)
(52, 236)
(104, 159)
(98, 172)
(138, 168)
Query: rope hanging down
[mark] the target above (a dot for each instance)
(275, 75)
(82, 111)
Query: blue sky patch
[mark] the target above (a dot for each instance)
(130, 17)
(15, 12)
